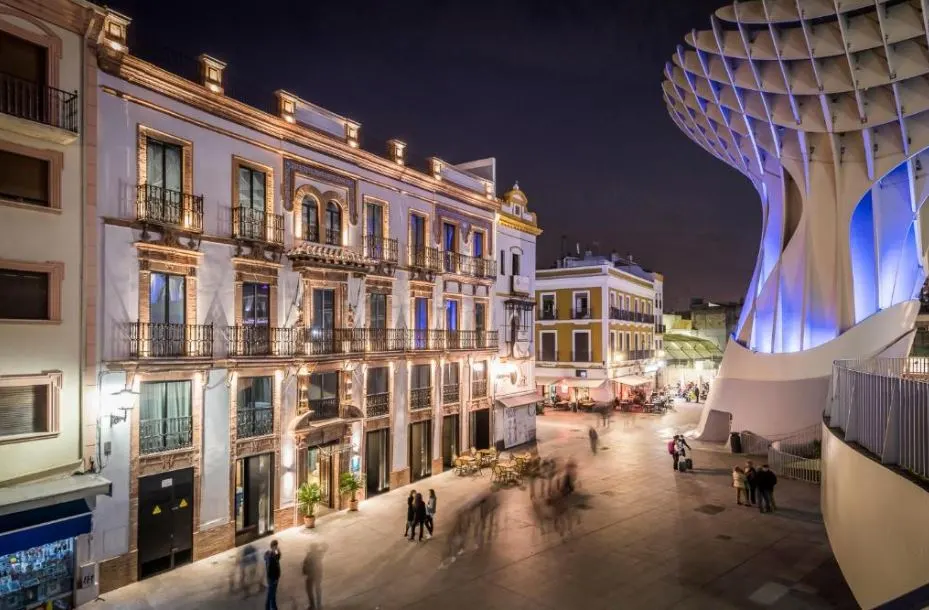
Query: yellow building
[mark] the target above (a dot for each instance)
(599, 327)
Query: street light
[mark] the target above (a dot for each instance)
(128, 395)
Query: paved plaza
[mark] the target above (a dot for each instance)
(649, 538)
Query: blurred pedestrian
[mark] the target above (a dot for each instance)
(675, 455)
(272, 574)
(246, 572)
(430, 512)
(313, 572)
(419, 516)
(594, 438)
(409, 512)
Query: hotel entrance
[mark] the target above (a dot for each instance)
(253, 498)
(377, 462)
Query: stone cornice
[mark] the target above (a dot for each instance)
(138, 72)
(519, 225)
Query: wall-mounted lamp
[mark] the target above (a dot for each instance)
(126, 395)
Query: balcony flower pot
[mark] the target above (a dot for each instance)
(308, 496)
(350, 483)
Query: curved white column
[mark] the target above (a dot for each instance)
(825, 109)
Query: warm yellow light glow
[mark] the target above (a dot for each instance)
(214, 87)
(289, 118)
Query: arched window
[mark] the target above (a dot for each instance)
(333, 224)
(310, 213)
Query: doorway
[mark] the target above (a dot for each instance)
(377, 461)
(317, 468)
(480, 429)
(421, 450)
(450, 429)
(166, 521)
(253, 498)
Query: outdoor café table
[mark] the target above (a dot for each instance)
(471, 462)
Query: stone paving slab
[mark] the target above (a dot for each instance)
(651, 538)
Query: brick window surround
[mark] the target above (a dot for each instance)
(55, 160)
(56, 275)
(51, 379)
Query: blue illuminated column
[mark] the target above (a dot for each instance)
(824, 109)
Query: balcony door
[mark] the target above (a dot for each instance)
(377, 321)
(323, 395)
(581, 347)
(310, 217)
(167, 306)
(251, 208)
(581, 305)
(480, 324)
(23, 67)
(417, 232)
(256, 318)
(548, 347)
(477, 246)
(451, 324)
(333, 224)
(164, 416)
(164, 181)
(254, 407)
(451, 388)
(420, 322)
(374, 230)
(322, 335)
(450, 245)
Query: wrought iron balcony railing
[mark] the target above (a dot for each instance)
(170, 340)
(377, 404)
(420, 398)
(324, 408)
(311, 233)
(451, 393)
(253, 421)
(479, 388)
(165, 434)
(544, 355)
(453, 262)
(39, 103)
(163, 206)
(581, 356)
(384, 339)
(580, 314)
(257, 225)
(333, 237)
(381, 248)
(257, 340)
(422, 339)
(548, 314)
(641, 354)
(424, 257)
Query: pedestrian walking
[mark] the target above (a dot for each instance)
(419, 516)
(313, 573)
(430, 512)
(765, 480)
(750, 481)
(672, 449)
(594, 438)
(741, 487)
(409, 512)
(273, 574)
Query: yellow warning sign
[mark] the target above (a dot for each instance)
(183, 503)
(156, 510)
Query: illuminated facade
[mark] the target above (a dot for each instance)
(282, 306)
(48, 425)
(599, 327)
(823, 111)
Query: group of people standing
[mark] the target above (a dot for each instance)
(420, 512)
(751, 485)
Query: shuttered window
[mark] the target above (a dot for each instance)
(24, 410)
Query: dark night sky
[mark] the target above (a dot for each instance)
(566, 96)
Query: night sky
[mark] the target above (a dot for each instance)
(566, 96)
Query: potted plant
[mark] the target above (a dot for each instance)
(350, 483)
(308, 496)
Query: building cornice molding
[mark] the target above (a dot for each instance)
(138, 72)
(519, 225)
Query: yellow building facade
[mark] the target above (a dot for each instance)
(598, 328)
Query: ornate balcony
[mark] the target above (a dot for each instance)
(580, 314)
(324, 408)
(36, 110)
(548, 314)
(462, 264)
(451, 393)
(169, 208)
(479, 388)
(543, 355)
(425, 258)
(581, 356)
(377, 404)
(257, 341)
(165, 434)
(641, 354)
(380, 248)
(420, 398)
(257, 225)
(254, 421)
(170, 340)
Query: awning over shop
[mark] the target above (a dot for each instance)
(32, 528)
(571, 382)
(520, 400)
(633, 380)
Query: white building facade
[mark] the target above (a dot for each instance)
(515, 397)
(48, 426)
(281, 307)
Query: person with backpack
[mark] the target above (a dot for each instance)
(672, 449)
(273, 574)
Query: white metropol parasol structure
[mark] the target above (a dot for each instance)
(824, 106)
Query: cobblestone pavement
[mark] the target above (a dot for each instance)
(649, 538)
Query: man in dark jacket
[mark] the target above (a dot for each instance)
(409, 512)
(273, 574)
(765, 480)
(750, 473)
(419, 516)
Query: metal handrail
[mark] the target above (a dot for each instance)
(451, 393)
(425, 257)
(252, 420)
(159, 205)
(158, 340)
(881, 405)
(38, 103)
(381, 248)
(165, 434)
(377, 404)
(257, 225)
(420, 398)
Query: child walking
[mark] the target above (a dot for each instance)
(741, 485)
